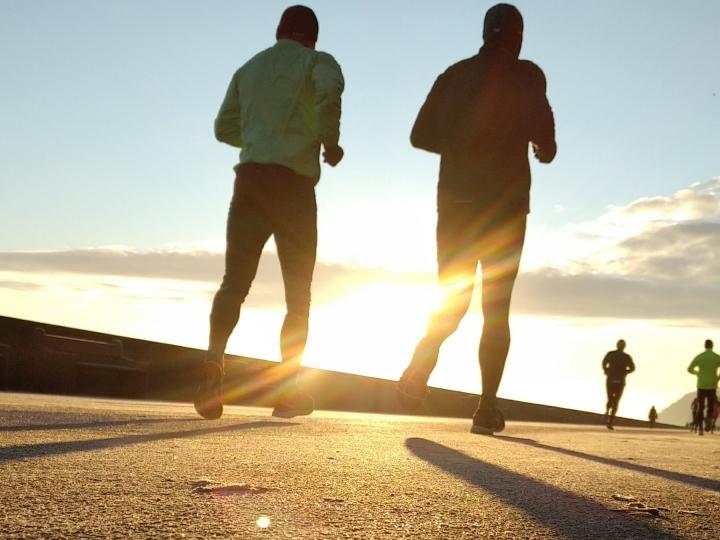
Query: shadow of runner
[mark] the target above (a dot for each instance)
(89, 425)
(570, 515)
(698, 481)
(29, 451)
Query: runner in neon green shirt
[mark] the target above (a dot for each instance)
(705, 365)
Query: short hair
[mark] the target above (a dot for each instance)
(298, 22)
(621, 344)
(708, 344)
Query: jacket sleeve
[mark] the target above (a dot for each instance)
(542, 120)
(329, 84)
(228, 124)
(425, 133)
(692, 366)
(631, 365)
(606, 363)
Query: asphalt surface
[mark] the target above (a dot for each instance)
(91, 468)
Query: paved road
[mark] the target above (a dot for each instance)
(93, 468)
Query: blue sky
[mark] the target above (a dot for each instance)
(106, 141)
(107, 107)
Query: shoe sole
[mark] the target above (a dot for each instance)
(480, 430)
(207, 413)
(292, 413)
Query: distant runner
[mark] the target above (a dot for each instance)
(695, 414)
(616, 365)
(712, 421)
(652, 416)
(705, 366)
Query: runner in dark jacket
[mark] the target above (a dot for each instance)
(616, 365)
(480, 116)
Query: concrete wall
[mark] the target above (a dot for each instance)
(172, 371)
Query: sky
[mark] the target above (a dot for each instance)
(114, 192)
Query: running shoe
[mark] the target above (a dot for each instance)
(292, 406)
(411, 390)
(487, 420)
(208, 395)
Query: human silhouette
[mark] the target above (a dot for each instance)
(281, 107)
(696, 415)
(652, 416)
(705, 366)
(480, 116)
(712, 419)
(616, 365)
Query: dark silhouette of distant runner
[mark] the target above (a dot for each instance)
(480, 116)
(712, 420)
(696, 415)
(705, 365)
(652, 416)
(616, 365)
(280, 108)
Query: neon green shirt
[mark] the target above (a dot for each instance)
(281, 106)
(705, 365)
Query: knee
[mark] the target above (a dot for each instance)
(231, 292)
(445, 323)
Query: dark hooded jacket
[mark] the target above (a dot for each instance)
(480, 116)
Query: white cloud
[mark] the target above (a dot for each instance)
(652, 237)
(654, 258)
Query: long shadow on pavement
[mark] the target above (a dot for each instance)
(88, 425)
(568, 514)
(28, 451)
(697, 481)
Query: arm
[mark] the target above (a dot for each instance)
(692, 367)
(329, 85)
(606, 363)
(228, 124)
(426, 130)
(630, 365)
(542, 126)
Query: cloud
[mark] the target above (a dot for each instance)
(200, 266)
(180, 265)
(696, 202)
(551, 293)
(686, 250)
(20, 285)
(669, 237)
(654, 258)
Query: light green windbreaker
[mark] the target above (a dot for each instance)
(281, 106)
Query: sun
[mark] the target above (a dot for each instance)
(371, 329)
